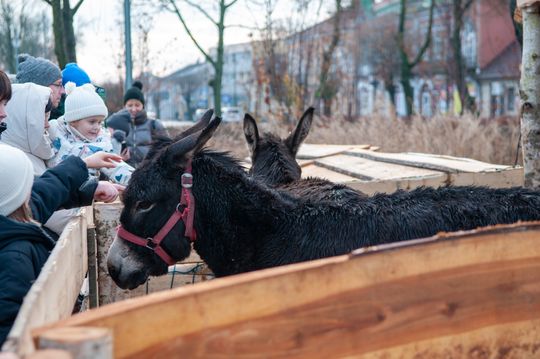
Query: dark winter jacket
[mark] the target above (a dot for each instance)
(140, 132)
(24, 247)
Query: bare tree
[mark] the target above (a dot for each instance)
(22, 30)
(327, 85)
(217, 60)
(407, 65)
(459, 68)
(64, 35)
(530, 93)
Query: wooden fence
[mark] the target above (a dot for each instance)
(55, 291)
(473, 294)
(84, 244)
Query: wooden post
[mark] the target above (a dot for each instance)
(530, 91)
(81, 342)
(49, 354)
(92, 267)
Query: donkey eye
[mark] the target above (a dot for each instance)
(144, 206)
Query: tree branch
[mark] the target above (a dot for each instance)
(48, 2)
(230, 4)
(202, 10)
(76, 7)
(467, 5)
(428, 37)
(401, 30)
(188, 31)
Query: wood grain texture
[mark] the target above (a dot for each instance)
(429, 161)
(57, 287)
(481, 289)
(80, 342)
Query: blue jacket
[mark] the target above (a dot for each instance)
(24, 247)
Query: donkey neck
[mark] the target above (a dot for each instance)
(233, 211)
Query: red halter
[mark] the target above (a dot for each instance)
(187, 216)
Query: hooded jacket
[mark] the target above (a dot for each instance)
(140, 133)
(26, 123)
(24, 247)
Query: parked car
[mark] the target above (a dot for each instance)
(232, 114)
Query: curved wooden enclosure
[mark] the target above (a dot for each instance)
(470, 294)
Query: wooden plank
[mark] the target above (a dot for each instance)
(390, 186)
(499, 179)
(372, 187)
(57, 287)
(321, 172)
(366, 169)
(433, 162)
(80, 342)
(467, 286)
(311, 151)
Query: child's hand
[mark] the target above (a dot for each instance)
(102, 160)
(105, 192)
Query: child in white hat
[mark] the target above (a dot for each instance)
(80, 132)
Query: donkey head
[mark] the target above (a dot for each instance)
(150, 200)
(273, 159)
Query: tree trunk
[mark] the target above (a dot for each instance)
(406, 64)
(64, 34)
(408, 90)
(326, 92)
(530, 95)
(460, 68)
(69, 35)
(58, 30)
(218, 64)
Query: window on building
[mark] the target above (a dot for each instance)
(511, 99)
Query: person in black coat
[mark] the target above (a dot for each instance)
(132, 126)
(24, 205)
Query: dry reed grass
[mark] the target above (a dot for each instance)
(488, 140)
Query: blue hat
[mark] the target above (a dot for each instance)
(73, 73)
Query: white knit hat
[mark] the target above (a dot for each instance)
(82, 102)
(16, 179)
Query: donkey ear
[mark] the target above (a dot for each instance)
(181, 151)
(201, 124)
(251, 132)
(301, 131)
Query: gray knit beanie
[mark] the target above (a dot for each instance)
(37, 70)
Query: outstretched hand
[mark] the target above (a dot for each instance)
(107, 192)
(102, 160)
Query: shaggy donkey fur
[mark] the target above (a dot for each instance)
(244, 225)
(273, 159)
(273, 162)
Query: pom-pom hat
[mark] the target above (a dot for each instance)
(83, 102)
(134, 93)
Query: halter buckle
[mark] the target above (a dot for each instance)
(187, 180)
(150, 244)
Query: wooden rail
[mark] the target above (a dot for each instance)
(471, 294)
(57, 287)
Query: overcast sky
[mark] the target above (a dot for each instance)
(101, 21)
